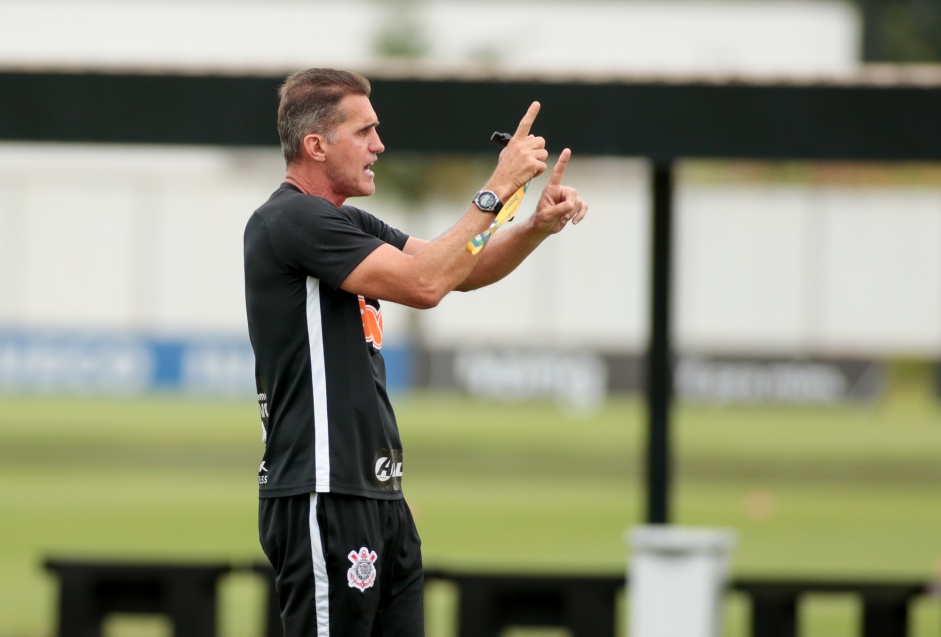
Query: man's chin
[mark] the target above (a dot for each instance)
(361, 194)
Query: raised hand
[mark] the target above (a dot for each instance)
(524, 156)
(559, 204)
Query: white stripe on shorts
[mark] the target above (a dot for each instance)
(321, 583)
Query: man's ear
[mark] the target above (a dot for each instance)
(313, 146)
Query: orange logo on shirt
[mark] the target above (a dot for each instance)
(372, 322)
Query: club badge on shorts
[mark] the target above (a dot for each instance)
(362, 574)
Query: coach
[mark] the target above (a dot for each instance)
(332, 518)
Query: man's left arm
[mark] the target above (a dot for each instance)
(557, 206)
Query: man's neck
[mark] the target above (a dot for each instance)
(310, 186)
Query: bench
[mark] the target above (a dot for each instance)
(488, 604)
(89, 591)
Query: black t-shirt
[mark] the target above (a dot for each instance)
(327, 422)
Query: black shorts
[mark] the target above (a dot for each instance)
(345, 566)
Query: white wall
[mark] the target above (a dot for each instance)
(832, 268)
(150, 239)
(126, 237)
(594, 36)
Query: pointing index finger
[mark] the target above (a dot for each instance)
(559, 169)
(527, 122)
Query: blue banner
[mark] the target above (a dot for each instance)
(129, 363)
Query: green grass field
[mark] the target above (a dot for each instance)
(828, 492)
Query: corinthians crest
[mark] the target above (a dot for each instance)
(362, 574)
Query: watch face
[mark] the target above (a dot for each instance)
(487, 200)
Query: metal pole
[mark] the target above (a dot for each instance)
(873, 45)
(659, 355)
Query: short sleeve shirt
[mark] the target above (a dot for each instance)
(327, 421)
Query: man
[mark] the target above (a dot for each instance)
(332, 518)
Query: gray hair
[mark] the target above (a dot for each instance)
(310, 104)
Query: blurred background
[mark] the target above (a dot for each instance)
(807, 312)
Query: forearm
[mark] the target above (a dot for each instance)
(443, 265)
(505, 251)
(440, 266)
